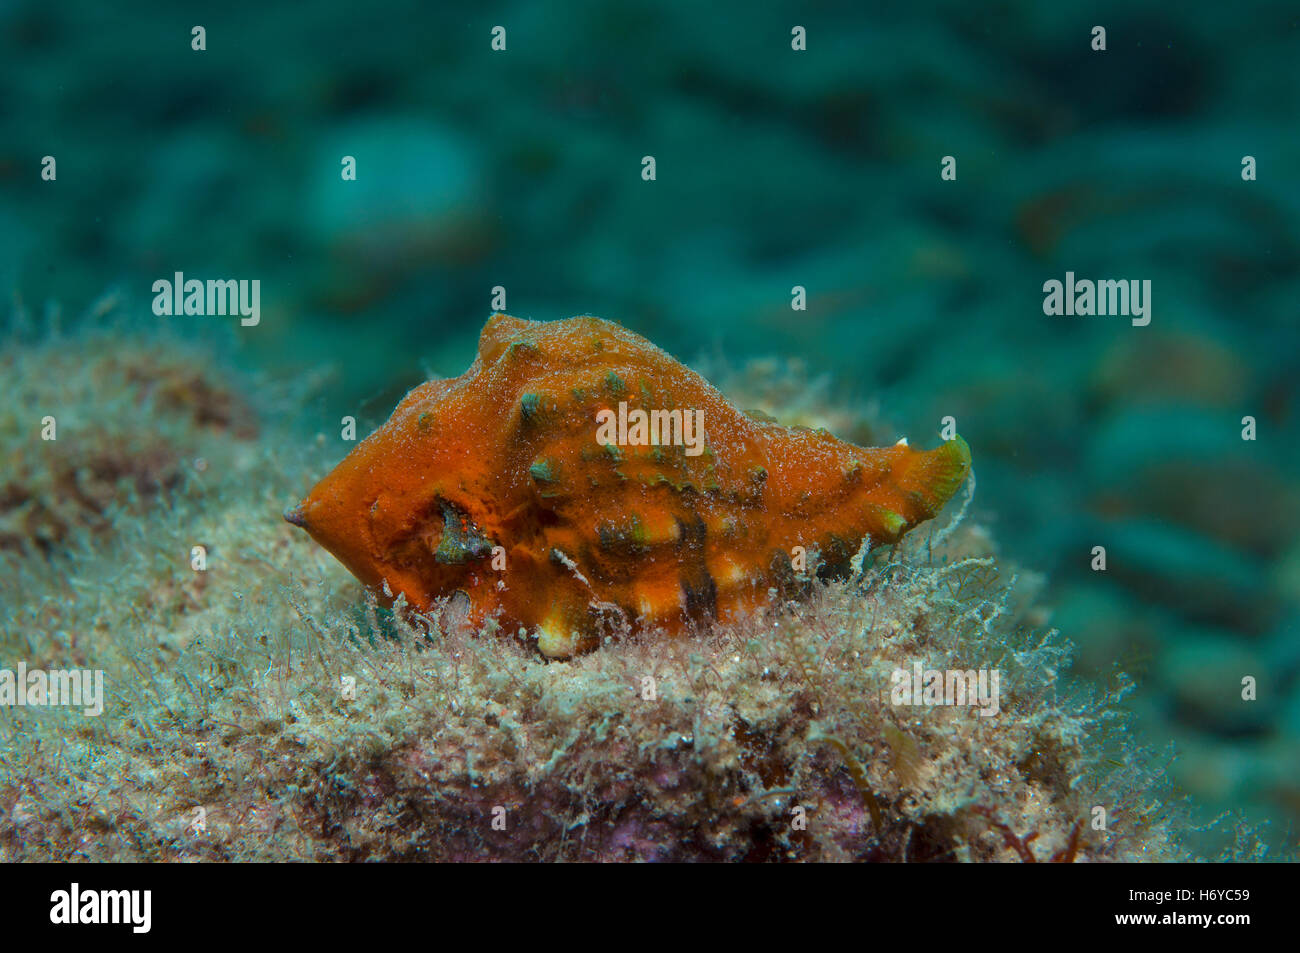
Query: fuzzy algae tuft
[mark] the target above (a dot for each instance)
(265, 708)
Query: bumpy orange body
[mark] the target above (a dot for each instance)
(502, 485)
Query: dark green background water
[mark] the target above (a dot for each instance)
(775, 168)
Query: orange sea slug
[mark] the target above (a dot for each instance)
(495, 484)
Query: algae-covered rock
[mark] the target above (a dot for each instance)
(93, 426)
(263, 707)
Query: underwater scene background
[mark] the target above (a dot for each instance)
(775, 168)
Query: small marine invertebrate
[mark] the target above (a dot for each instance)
(564, 484)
